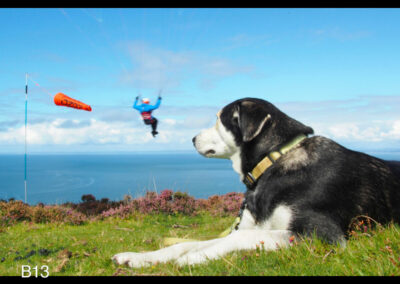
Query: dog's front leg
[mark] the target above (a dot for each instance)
(162, 255)
(238, 240)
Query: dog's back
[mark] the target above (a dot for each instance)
(394, 166)
(374, 183)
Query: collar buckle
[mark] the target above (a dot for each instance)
(249, 180)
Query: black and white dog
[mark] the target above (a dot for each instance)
(296, 185)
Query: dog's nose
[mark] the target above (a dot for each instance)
(194, 140)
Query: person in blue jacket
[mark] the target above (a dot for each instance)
(145, 110)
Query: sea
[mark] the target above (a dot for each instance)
(57, 179)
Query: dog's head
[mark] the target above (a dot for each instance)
(247, 123)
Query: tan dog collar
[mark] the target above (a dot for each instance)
(252, 177)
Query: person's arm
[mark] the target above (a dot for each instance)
(135, 105)
(157, 103)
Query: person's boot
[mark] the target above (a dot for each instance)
(154, 133)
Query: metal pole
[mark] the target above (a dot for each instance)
(26, 120)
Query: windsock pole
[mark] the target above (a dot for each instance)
(26, 120)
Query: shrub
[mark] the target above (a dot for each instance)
(73, 217)
(88, 198)
(221, 205)
(166, 202)
(14, 211)
(92, 207)
(57, 214)
(183, 203)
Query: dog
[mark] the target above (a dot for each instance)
(297, 185)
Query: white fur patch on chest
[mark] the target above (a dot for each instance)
(279, 220)
(237, 164)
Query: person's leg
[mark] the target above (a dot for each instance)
(154, 126)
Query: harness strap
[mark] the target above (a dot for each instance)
(146, 115)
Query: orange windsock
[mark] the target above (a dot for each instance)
(61, 99)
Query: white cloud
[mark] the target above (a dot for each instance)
(155, 67)
(108, 134)
(394, 132)
(170, 122)
(365, 122)
(339, 34)
(354, 131)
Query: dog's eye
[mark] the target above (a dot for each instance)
(235, 120)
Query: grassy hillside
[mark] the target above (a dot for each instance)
(85, 249)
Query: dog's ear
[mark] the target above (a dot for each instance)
(251, 119)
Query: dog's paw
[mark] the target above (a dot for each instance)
(131, 259)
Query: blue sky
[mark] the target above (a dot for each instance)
(336, 70)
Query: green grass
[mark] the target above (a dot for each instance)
(86, 250)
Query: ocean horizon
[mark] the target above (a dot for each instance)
(56, 179)
(61, 178)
